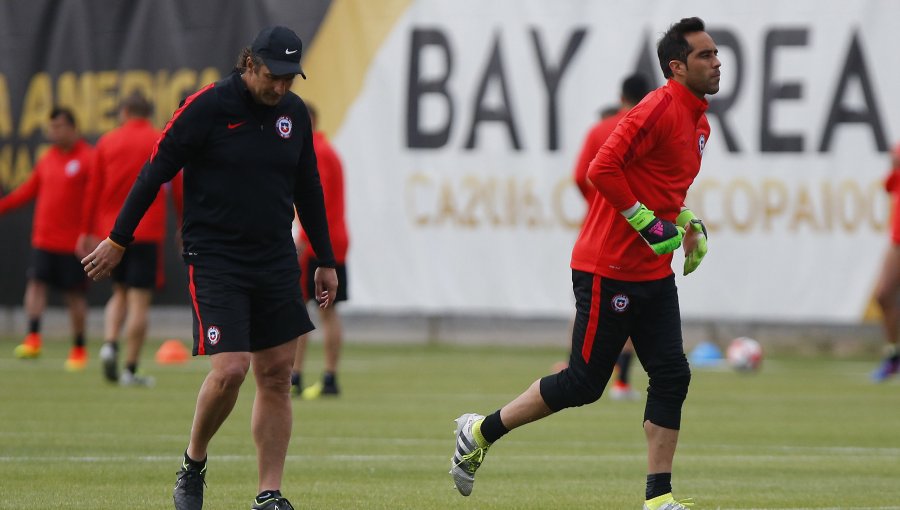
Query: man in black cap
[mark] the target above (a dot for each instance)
(246, 147)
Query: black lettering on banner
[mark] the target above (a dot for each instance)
(772, 90)
(501, 113)
(417, 87)
(552, 76)
(854, 67)
(719, 104)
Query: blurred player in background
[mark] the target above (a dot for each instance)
(621, 268)
(119, 157)
(634, 88)
(888, 289)
(245, 144)
(332, 175)
(57, 184)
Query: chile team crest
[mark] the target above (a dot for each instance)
(213, 335)
(619, 303)
(701, 143)
(284, 126)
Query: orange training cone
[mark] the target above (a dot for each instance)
(171, 352)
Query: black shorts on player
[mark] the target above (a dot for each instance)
(608, 311)
(309, 284)
(139, 266)
(59, 270)
(244, 310)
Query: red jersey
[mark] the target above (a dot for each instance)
(57, 183)
(592, 143)
(331, 173)
(652, 156)
(119, 157)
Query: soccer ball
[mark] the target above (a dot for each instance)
(744, 354)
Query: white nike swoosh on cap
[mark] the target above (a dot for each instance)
(289, 52)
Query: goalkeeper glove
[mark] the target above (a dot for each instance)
(662, 236)
(692, 260)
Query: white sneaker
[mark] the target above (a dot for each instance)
(467, 456)
(129, 379)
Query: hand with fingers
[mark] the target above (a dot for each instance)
(99, 263)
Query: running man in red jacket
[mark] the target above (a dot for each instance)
(119, 157)
(634, 88)
(57, 185)
(332, 175)
(889, 281)
(621, 268)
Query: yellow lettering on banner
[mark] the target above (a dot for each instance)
(77, 93)
(564, 187)
(733, 193)
(804, 212)
(774, 199)
(6, 167)
(418, 183)
(37, 105)
(182, 84)
(106, 107)
(137, 80)
(6, 128)
(22, 167)
(164, 105)
(446, 209)
(207, 76)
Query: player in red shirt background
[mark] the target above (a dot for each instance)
(119, 157)
(57, 185)
(332, 175)
(634, 88)
(889, 281)
(622, 277)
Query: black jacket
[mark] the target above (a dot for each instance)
(246, 166)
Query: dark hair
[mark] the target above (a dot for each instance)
(136, 104)
(65, 113)
(241, 64)
(673, 46)
(635, 87)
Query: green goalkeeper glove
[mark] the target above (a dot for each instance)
(692, 260)
(662, 236)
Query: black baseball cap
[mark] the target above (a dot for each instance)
(279, 47)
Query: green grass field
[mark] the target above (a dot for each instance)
(803, 433)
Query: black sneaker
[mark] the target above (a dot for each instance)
(109, 355)
(188, 493)
(272, 501)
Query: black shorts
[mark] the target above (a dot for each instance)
(607, 313)
(59, 270)
(138, 266)
(307, 280)
(242, 310)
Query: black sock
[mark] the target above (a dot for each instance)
(492, 428)
(193, 464)
(329, 379)
(297, 379)
(131, 367)
(658, 484)
(79, 340)
(267, 494)
(624, 363)
(34, 325)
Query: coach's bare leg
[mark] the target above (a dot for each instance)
(886, 294)
(114, 313)
(333, 334)
(526, 408)
(216, 398)
(300, 354)
(272, 417)
(136, 322)
(661, 443)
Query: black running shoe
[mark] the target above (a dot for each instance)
(271, 501)
(188, 493)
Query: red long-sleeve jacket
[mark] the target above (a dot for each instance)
(595, 139)
(652, 156)
(332, 175)
(57, 184)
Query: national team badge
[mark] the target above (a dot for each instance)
(213, 335)
(619, 303)
(284, 125)
(72, 167)
(701, 143)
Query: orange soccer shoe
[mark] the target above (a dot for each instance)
(30, 348)
(77, 359)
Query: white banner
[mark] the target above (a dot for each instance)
(458, 153)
